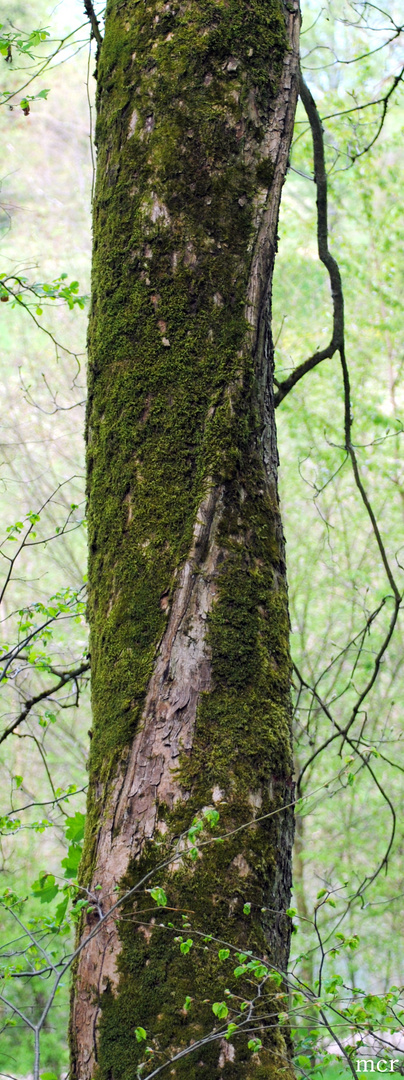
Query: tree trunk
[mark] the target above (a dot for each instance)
(187, 587)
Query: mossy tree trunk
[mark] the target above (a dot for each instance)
(187, 587)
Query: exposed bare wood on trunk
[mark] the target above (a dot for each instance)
(181, 673)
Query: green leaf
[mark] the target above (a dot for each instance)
(49, 1076)
(61, 911)
(71, 862)
(291, 911)
(254, 1045)
(219, 1008)
(141, 1034)
(231, 1028)
(187, 1003)
(261, 971)
(45, 888)
(246, 909)
(332, 984)
(303, 1061)
(276, 977)
(18, 780)
(323, 892)
(159, 896)
(186, 946)
(75, 825)
(223, 954)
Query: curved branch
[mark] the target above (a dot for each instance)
(338, 336)
(287, 384)
(320, 180)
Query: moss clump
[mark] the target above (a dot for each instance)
(265, 173)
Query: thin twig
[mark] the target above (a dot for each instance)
(49, 692)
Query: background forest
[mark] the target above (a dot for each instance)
(345, 579)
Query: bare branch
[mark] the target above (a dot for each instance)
(287, 384)
(384, 101)
(49, 692)
(338, 338)
(89, 10)
(320, 180)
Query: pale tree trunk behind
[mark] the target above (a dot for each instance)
(187, 586)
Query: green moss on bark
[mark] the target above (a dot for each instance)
(184, 104)
(180, 128)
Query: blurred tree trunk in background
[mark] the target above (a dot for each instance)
(187, 587)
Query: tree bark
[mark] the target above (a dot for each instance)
(187, 585)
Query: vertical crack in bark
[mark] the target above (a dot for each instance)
(182, 672)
